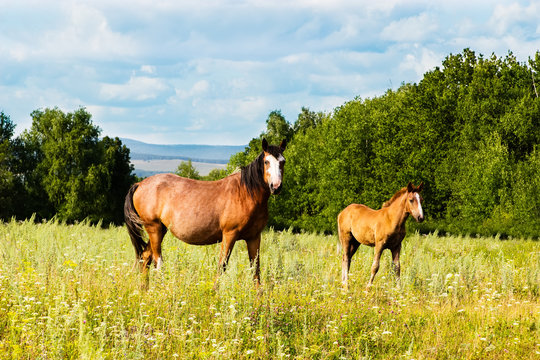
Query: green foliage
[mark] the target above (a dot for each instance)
(187, 170)
(215, 174)
(469, 130)
(8, 181)
(69, 291)
(69, 172)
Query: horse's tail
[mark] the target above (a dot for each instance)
(134, 223)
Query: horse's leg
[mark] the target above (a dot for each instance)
(227, 244)
(395, 260)
(253, 247)
(376, 260)
(156, 231)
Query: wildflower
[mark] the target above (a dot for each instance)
(249, 352)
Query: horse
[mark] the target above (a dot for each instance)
(381, 229)
(205, 212)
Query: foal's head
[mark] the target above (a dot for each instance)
(413, 203)
(273, 165)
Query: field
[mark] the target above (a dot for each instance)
(70, 292)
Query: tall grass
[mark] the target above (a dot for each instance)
(71, 292)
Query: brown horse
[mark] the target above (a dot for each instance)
(382, 229)
(205, 212)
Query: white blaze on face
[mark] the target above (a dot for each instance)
(420, 211)
(274, 170)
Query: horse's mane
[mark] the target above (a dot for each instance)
(393, 198)
(252, 176)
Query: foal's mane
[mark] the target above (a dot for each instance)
(395, 197)
(252, 176)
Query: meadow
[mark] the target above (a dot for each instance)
(70, 292)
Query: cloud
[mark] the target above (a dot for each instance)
(515, 18)
(412, 29)
(75, 31)
(213, 70)
(148, 69)
(420, 61)
(136, 89)
(198, 89)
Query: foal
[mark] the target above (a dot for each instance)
(382, 229)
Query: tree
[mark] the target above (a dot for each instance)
(215, 174)
(74, 175)
(7, 178)
(308, 119)
(187, 170)
(277, 128)
(120, 177)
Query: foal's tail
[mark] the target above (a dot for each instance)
(134, 223)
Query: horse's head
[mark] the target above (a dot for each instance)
(273, 165)
(414, 201)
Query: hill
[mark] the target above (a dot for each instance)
(150, 159)
(218, 154)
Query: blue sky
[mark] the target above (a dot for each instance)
(209, 72)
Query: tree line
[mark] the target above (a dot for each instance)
(61, 168)
(469, 130)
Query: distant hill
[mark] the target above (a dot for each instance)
(218, 154)
(150, 159)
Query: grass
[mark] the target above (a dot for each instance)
(71, 292)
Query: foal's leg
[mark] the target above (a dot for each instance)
(376, 260)
(253, 247)
(349, 246)
(395, 260)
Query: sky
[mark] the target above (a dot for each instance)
(210, 72)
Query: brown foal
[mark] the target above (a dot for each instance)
(381, 229)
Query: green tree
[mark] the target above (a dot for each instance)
(7, 178)
(187, 170)
(215, 174)
(119, 178)
(469, 130)
(308, 119)
(277, 128)
(80, 176)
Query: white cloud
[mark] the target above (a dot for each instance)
(213, 70)
(148, 69)
(420, 62)
(198, 89)
(411, 29)
(76, 31)
(136, 89)
(514, 16)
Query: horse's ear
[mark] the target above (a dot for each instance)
(283, 145)
(410, 187)
(420, 187)
(264, 145)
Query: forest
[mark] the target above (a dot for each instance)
(468, 129)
